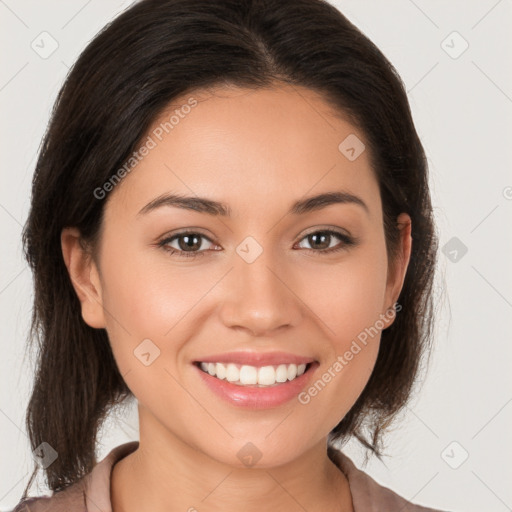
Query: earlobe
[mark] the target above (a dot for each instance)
(397, 275)
(84, 277)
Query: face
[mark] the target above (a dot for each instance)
(263, 285)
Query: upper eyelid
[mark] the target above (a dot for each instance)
(173, 236)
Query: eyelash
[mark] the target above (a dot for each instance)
(347, 241)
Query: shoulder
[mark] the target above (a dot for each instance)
(71, 499)
(367, 494)
(89, 494)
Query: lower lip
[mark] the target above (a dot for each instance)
(253, 397)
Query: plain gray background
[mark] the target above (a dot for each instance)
(453, 446)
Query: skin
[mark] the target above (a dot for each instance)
(257, 151)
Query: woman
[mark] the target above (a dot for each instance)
(197, 154)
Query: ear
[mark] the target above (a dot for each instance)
(397, 272)
(84, 277)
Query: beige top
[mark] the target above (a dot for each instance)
(92, 492)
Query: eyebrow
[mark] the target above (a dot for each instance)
(216, 208)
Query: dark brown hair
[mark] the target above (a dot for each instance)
(125, 78)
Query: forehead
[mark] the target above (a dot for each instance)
(253, 149)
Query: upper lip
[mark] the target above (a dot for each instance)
(256, 358)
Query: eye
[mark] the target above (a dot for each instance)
(189, 244)
(322, 240)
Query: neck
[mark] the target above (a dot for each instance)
(165, 473)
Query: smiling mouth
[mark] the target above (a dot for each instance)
(254, 376)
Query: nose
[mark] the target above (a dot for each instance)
(259, 297)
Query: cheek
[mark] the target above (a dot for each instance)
(147, 296)
(147, 292)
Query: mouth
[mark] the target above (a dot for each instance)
(254, 376)
(256, 380)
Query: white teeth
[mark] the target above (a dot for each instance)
(232, 373)
(220, 371)
(266, 376)
(292, 372)
(248, 375)
(245, 375)
(281, 373)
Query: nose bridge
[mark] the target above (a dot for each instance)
(259, 298)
